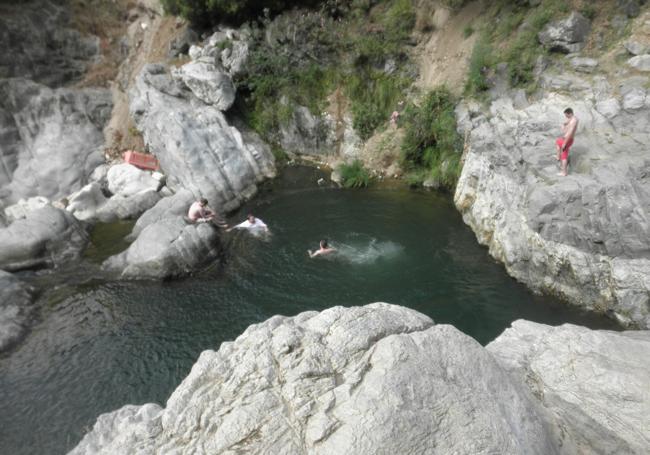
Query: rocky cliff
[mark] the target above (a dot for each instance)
(584, 237)
(386, 379)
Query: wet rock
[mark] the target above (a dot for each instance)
(45, 237)
(16, 300)
(168, 248)
(197, 147)
(595, 382)
(640, 62)
(566, 35)
(362, 380)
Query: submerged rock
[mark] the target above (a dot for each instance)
(168, 248)
(597, 383)
(585, 237)
(15, 309)
(45, 237)
(363, 380)
(198, 149)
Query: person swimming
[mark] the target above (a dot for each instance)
(323, 250)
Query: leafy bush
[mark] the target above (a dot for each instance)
(354, 175)
(480, 61)
(468, 31)
(431, 141)
(205, 13)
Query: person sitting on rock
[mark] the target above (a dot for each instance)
(199, 212)
(323, 250)
(565, 142)
(252, 224)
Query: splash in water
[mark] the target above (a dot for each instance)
(366, 251)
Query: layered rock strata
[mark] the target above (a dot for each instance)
(585, 237)
(596, 383)
(197, 147)
(365, 380)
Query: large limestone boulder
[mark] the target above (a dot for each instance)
(585, 237)
(198, 149)
(133, 192)
(379, 379)
(168, 248)
(15, 309)
(567, 35)
(597, 383)
(46, 237)
(209, 83)
(21, 208)
(50, 140)
(173, 206)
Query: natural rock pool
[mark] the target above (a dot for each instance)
(99, 345)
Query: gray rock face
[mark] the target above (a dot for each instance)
(173, 206)
(631, 8)
(306, 134)
(378, 379)
(46, 237)
(208, 83)
(165, 249)
(38, 44)
(585, 237)
(15, 309)
(636, 48)
(198, 149)
(584, 65)
(566, 35)
(597, 383)
(640, 62)
(50, 140)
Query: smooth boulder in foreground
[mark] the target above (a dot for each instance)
(378, 379)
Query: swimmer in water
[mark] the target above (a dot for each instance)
(324, 249)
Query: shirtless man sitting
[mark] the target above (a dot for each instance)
(199, 212)
(565, 142)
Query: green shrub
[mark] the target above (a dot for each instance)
(205, 13)
(468, 31)
(431, 141)
(589, 11)
(454, 4)
(481, 60)
(354, 175)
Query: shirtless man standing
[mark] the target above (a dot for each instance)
(565, 142)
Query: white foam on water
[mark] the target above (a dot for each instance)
(364, 251)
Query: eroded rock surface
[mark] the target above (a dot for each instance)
(168, 248)
(45, 237)
(50, 139)
(585, 237)
(596, 382)
(198, 149)
(379, 379)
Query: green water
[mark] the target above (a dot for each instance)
(100, 345)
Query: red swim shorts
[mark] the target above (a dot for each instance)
(565, 152)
